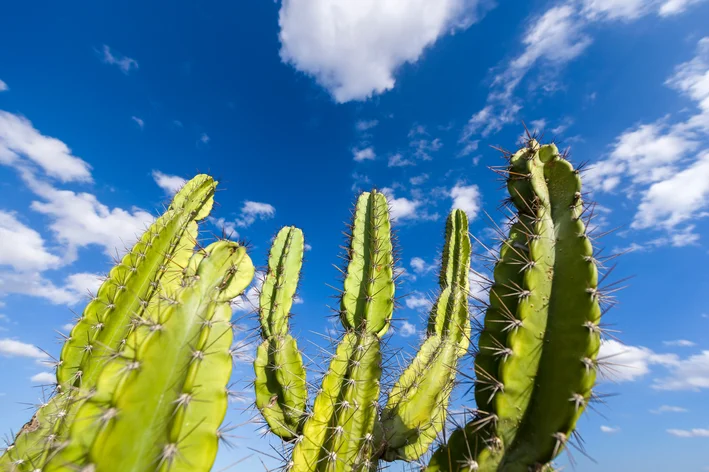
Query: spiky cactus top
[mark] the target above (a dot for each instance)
(536, 363)
(154, 263)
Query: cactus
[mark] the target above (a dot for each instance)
(280, 384)
(159, 402)
(345, 429)
(537, 353)
(154, 263)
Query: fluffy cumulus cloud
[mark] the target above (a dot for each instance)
(418, 301)
(169, 183)
(623, 363)
(44, 378)
(22, 247)
(3, 86)
(466, 198)
(14, 348)
(406, 330)
(252, 211)
(365, 154)
(22, 145)
(665, 163)
(353, 48)
(691, 373)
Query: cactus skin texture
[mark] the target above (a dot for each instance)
(281, 390)
(345, 429)
(537, 361)
(338, 433)
(158, 404)
(416, 410)
(153, 264)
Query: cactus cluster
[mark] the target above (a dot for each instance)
(141, 381)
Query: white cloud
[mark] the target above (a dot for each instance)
(171, 184)
(691, 373)
(44, 378)
(397, 160)
(689, 433)
(674, 7)
(679, 343)
(21, 144)
(67, 327)
(250, 300)
(252, 211)
(84, 283)
(679, 198)
(138, 121)
(628, 363)
(617, 9)
(13, 348)
(3, 86)
(34, 284)
(669, 409)
(80, 219)
(227, 227)
(610, 429)
(420, 266)
(407, 330)
(204, 138)
(366, 154)
(419, 179)
(692, 77)
(418, 301)
(402, 208)
(125, 64)
(466, 198)
(22, 247)
(364, 125)
(353, 48)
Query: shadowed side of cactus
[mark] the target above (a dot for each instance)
(280, 384)
(153, 264)
(158, 404)
(537, 362)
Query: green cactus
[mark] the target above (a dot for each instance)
(153, 264)
(345, 429)
(281, 391)
(537, 353)
(416, 410)
(158, 403)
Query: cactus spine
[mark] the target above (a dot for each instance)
(153, 263)
(281, 391)
(537, 353)
(159, 402)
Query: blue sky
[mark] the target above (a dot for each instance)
(297, 105)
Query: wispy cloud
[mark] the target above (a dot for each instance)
(252, 211)
(13, 348)
(3, 86)
(138, 121)
(124, 63)
(171, 184)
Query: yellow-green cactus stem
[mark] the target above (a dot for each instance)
(158, 404)
(280, 384)
(416, 410)
(155, 262)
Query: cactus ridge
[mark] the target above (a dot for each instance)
(280, 384)
(537, 361)
(416, 410)
(175, 365)
(154, 262)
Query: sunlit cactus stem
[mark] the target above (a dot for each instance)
(153, 264)
(280, 384)
(416, 410)
(537, 361)
(338, 433)
(158, 404)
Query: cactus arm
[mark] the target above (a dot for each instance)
(156, 260)
(338, 434)
(368, 298)
(149, 412)
(416, 410)
(546, 360)
(567, 368)
(280, 384)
